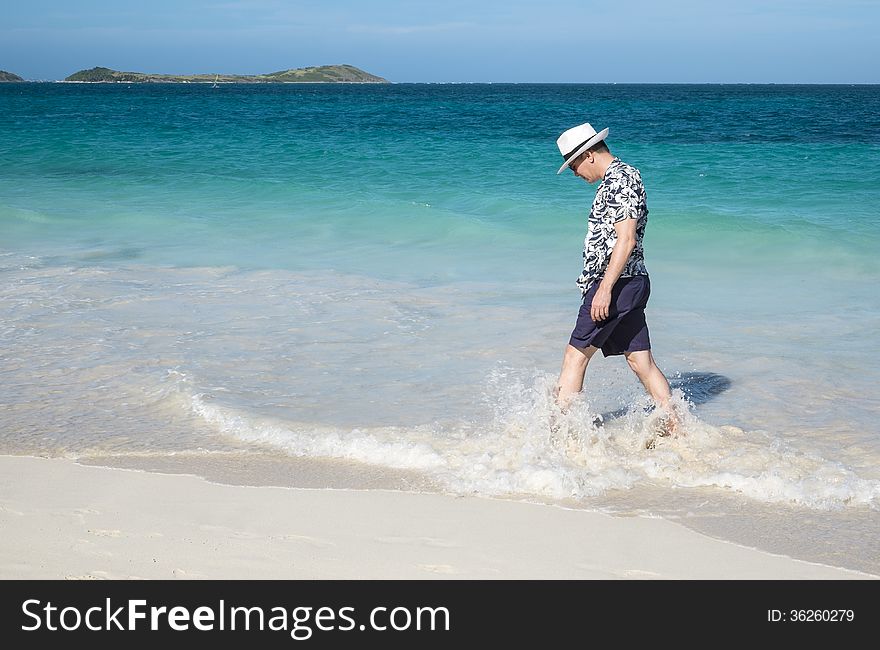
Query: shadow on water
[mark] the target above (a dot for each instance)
(698, 388)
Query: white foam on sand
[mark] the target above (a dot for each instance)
(516, 454)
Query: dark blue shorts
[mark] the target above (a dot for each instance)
(625, 329)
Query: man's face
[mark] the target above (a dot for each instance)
(584, 167)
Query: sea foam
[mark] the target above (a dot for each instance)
(516, 453)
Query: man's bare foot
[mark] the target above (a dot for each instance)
(666, 425)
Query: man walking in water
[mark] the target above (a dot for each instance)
(614, 283)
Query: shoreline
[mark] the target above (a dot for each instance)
(824, 537)
(64, 520)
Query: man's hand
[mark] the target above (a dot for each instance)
(600, 305)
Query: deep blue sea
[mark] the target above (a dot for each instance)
(379, 280)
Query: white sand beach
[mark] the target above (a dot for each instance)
(62, 520)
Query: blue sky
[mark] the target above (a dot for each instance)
(577, 41)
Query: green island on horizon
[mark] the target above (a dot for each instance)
(319, 74)
(316, 74)
(8, 76)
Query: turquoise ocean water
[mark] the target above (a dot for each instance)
(372, 285)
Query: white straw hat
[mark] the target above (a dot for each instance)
(577, 140)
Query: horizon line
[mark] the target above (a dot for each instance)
(556, 83)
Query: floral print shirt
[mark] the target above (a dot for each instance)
(619, 196)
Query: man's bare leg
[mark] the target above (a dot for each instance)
(571, 377)
(652, 378)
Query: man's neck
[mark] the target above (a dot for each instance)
(604, 160)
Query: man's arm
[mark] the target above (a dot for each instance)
(623, 248)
